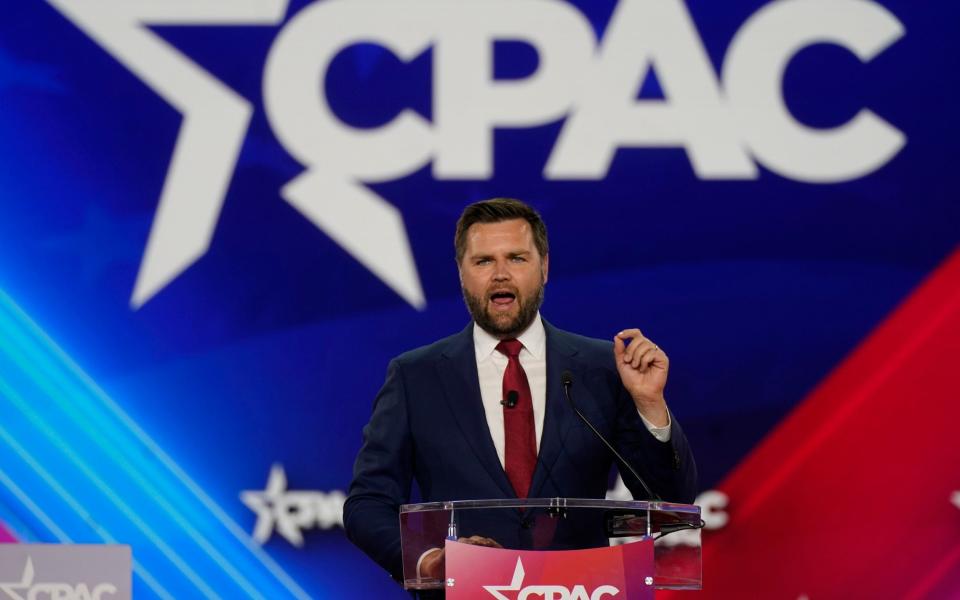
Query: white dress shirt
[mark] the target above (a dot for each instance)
(491, 365)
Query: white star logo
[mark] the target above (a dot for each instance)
(291, 512)
(514, 586)
(272, 508)
(25, 582)
(215, 121)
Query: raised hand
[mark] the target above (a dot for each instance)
(643, 367)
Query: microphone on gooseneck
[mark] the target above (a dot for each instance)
(567, 378)
(513, 396)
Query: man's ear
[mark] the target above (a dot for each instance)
(544, 267)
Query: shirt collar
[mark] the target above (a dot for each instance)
(533, 339)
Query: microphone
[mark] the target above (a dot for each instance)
(567, 379)
(513, 396)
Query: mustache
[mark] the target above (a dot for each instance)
(495, 290)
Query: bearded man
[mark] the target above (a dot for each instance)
(482, 415)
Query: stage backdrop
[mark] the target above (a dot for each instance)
(220, 219)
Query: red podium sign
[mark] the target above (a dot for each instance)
(618, 572)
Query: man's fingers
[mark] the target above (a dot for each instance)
(648, 356)
(638, 358)
(432, 564)
(629, 334)
(479, 540)
(641, 354)
(635, 362)
(639, 348)
(630, 347)
(629, 341)
(631, 352)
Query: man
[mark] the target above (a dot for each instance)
(482, 415)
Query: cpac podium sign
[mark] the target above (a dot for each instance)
(65, 572)
(618, 572)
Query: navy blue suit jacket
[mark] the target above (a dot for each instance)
(428, 425)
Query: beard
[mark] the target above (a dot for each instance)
(504, 326)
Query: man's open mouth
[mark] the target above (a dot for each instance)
(502, 298)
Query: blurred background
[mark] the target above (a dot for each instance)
(219, 220)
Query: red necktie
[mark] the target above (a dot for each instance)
(519, 431)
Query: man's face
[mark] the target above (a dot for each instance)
(502, 276)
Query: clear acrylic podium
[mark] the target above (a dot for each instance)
(548, 524)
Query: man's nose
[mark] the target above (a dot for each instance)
(500, 272)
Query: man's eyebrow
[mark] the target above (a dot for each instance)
(509, 254)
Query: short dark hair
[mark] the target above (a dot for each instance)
(496, 210)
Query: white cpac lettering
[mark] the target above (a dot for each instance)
(727, 126)
(63, 591)
(469, 103)
(753, 77)
(545, 592)
(723, 128)
(604, 590)
(103, 589)
(559, 592)
(643, 35)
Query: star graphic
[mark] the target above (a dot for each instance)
(25, 582)
(215, 123)
(290, 512)
(267, 505)
(955, 498)
(514, 586)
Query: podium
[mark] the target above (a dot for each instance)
(554, 547)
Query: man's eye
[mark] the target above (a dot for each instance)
(519, 259)
(483, 261)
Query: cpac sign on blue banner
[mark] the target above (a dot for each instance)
(727, 126)
(219, 220)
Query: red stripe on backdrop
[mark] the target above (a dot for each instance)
(850, 496)
(942, 581)
(5, 536)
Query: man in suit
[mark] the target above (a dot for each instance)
(482, 415)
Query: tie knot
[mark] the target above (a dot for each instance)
(511, 348)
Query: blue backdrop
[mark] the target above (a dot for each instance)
(269, 347)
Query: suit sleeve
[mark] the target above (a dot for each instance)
(382, 477)
(667, 467)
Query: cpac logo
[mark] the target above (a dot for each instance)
(291, 512)
(727, 126)
(26, 589)
(547, 592)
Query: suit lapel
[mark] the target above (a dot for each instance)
(458, 371)
(556, 421)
